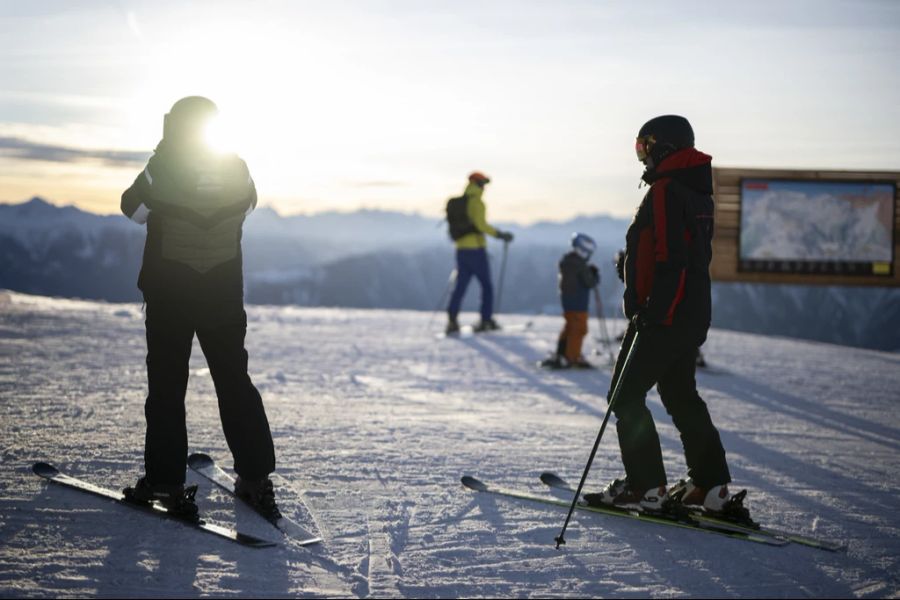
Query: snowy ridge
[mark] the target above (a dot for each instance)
(374, 422)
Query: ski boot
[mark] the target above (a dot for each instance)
(260, 494)
(620, 493)
(488, 325)
(715, 501)
(175, 498)
(581, 363)
(452, 326)
(555, 362)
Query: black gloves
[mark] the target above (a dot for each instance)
(642, 321)
(595, 275)
(506, 236)
(620, 265)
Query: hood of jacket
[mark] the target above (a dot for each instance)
(688, 166)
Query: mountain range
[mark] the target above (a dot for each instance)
(382, 259)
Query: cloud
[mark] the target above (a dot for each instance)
(22, 149)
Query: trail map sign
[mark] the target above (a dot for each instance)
(822, 227)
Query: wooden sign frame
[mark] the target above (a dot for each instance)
(726, 240)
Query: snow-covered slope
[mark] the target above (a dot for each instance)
(375, 420)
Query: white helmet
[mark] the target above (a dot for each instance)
(583, 244)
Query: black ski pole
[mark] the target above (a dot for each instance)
(560, 539)
(604, 332)
(450, 281)
(502, 275)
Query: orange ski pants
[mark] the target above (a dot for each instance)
(572, 335)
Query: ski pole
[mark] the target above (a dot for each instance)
(560, 539)
(502, 275)
(604, 332)
(450, 281)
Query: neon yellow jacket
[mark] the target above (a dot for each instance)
(476, 211)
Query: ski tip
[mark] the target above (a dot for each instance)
(44, 469)
(553, 480)
(199, 459)
(473, 484)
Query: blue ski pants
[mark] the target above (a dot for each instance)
(469, 263)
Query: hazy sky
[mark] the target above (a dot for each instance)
(340, 105)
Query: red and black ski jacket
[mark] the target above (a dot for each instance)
(669, 246)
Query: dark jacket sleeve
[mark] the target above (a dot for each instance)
(670, 250)
(136, 199)
(587, 277)
(253, 198)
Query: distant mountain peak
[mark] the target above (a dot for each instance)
(36, 203)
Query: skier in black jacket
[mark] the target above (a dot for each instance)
(667, 299)
(193, 201)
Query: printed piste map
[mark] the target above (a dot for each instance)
(816, 221)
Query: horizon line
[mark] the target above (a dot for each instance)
(363, 209)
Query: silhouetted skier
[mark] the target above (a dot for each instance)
(194, 202)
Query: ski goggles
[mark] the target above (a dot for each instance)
(643, 146)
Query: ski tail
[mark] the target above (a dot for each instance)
(206, 466)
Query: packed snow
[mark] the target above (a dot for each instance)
(375, 420)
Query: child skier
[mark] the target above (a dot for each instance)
(576, 280)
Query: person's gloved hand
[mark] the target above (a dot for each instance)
(643, 322)
(620, 265)
(506, 236)
(595, 271)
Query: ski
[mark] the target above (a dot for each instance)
(554, 481)
(51, 473)
(479, 486)
(206, 466)
(467, 331)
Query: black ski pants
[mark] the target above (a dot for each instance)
(664, 357)
(220, 325)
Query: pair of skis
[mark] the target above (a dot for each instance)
(696, 520)
(467, 331)
(206, 466)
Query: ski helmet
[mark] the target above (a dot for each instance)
(479, 178)
(583, 245)
(188, 117)
(661, 136)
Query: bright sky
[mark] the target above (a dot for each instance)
(390, 104)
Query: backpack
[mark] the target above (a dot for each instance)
(458, 218)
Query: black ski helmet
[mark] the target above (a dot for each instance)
(661, 136)
(188, 116)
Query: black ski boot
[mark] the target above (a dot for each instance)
(581, 363)
(716, 502)
(452, 326)
(555, 362)
(175, 498)
(260, 494)
(488, 325)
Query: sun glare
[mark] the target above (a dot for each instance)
(219, 136)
